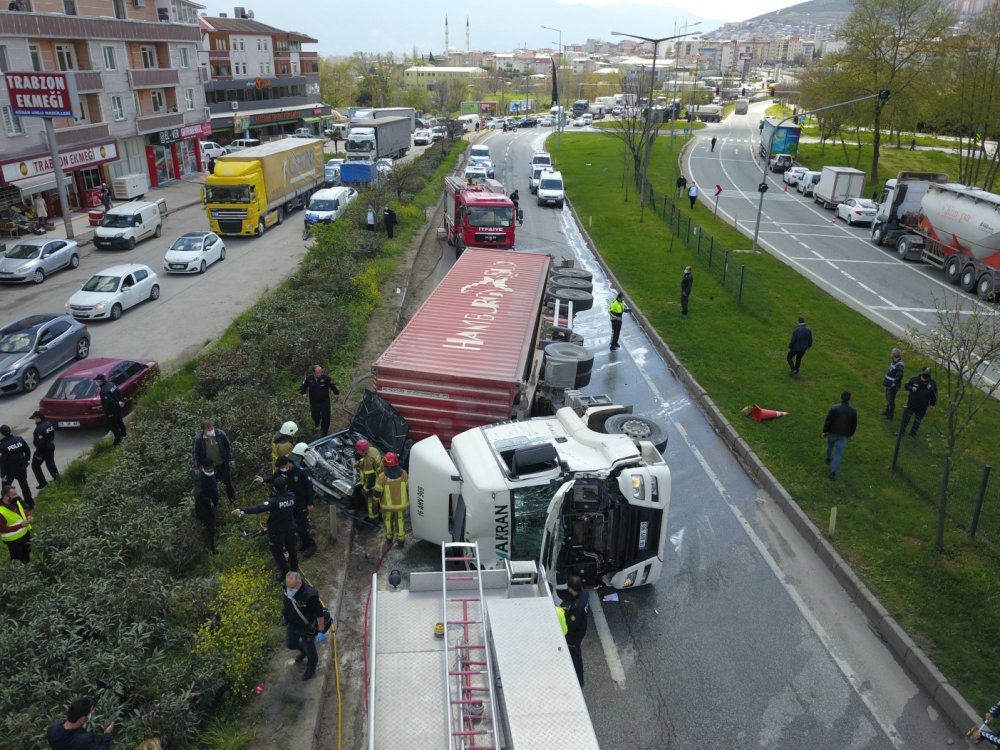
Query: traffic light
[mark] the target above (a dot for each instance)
(762, 187)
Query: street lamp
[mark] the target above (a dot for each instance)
(882, 96)
(673, 128)
(559, 112)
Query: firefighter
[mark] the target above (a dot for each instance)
(392, 487)
(44, 438)
(368, 465)
(14, 457)
(282, 444)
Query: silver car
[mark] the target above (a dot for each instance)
(33, 347)
(34, 258)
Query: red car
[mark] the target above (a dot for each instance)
(72, 401)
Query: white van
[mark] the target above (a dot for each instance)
(242, 143)
(128, 223)
(551, 190)
(469, 122)
(479, 152)
(539, 158)
(807, 182)
(327, 205)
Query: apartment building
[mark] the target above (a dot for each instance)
(427, 76)
(140, 105)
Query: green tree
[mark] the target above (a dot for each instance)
(337, 82)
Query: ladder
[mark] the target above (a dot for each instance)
(472, 720)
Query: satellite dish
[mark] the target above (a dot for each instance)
(249, 14)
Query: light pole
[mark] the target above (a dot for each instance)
(559, 112)
(882, 95)
(673, 125)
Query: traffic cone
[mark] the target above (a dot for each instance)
(762, 415)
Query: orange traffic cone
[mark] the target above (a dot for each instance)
(762, 415)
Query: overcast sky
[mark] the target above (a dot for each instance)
(496, 25)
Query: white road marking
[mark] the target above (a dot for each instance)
(608, 644)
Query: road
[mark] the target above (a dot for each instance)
(746, 641)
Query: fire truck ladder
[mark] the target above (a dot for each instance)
(472, 720)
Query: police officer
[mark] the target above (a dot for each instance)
(921, 396)
(71, 735)
(576, 602)
(392, 487)
(282, 443)
(44, 438)
(616, 310)
(15, 525)
(14, 457)
(316, 387)
(113, 404)
(368, 465)
(280, 508)
(300, 485)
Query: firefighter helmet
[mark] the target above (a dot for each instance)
(361, 446)
(289, 428)
(390, 460)
(300, 449)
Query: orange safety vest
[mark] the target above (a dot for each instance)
(15, 523)
(395, 493)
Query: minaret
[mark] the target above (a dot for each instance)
(446, 34)
(468, 47)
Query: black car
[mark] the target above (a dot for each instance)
(527, 122)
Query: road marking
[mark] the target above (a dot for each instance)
(608, 644)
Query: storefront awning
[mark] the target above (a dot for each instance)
(39, 184)
(311, 119)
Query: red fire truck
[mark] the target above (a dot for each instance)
(478, 215)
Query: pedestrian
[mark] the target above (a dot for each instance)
(979, 734)
(713, 143)
(800, 341)
(105, 196)
(913, 144)
(15, 525)
(389, 219)
(300, 485)
(840, 424)
(41, 210)
(921, 396)
(280, 508)
(370, 219)
(214, 445)
(392, 487)
(71, 735)
(616, 310)
(206, 500)
(682, 184)
(368, 465)
(336, 139)
(113, 404)
(687, 282)
(44, 439)
(211, 165)
(576, 603)
(14, 458)
(302, 611)
(515, 199)
(282, 443)
(693, 194)
(316, 387)
(891, 383)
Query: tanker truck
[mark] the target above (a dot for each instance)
(953, 227)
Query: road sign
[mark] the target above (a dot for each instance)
(718, 190)
(41, 94)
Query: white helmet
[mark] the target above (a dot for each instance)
(300, 449)
(289, 428)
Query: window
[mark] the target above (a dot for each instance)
(82, 110)
(261, 68)
(258, 45)
(65, 57)
(189, 99)
(156, 97)
(120, 9)
(241, 43)
(4, 64)
(11, 123)
(35, 53)
(295, 68)
(148, 57)
(220, 44)
(117, 108)
(185, 62)
(109, 58)
(267, 68)
(265, 45)
(69, 7)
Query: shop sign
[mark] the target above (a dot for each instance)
(70, 161)
(41, 94)
(166, 137)
(198, 130)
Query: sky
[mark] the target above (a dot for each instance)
(497, 25)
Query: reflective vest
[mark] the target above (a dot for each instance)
(369, 467)
(15, 523)
(395, 493)
(616, 309)
(561, 614)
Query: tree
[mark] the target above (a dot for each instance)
(336, 82)
(965, 341)
(634, 129)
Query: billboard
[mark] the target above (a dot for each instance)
(41, 94)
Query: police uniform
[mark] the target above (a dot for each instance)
(113, 405)
(44, 439)
(14, 457)
(319, 399)
(280, 528)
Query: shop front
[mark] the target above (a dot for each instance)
(175, 154)
(267, 124)
(24, 178)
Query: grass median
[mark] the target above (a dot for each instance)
(885, 520)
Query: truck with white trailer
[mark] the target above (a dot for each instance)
(837, 184)
(778, 137)
(383, 137)
(361, 115)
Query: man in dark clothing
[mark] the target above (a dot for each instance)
(981, 733)
(687, 282)
(113, 404)
(389, 219)
(213, 444)
(280, 508)
(714, 141)
(206, 500)
(841, 422)
(106, 196)
(302, 612)
(682, 184)
(44, 438)
(800, 341)
(300, 485)
(576, 602)
(14, 458)
(211, 165)
(892, 382)
(71, 735)
(316, 387)
(921, 396)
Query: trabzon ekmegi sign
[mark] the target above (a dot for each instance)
(41, 94)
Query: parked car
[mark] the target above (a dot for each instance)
(422, 137)
(546, 121)
(526, 122)
(579, 122)
(193, 252)
(304, 133)
(807, 182)
(617, 111)
(34, 258)
(331, 172)
(384, 166)
(33, 347)
(792, 175)
(438, 132)
(73, 400)
(327, 205)
(539, 158)
(112, 291)
(475, 173)
(551, 190)
(780, 163)
(212, 150)
(857, 210)
(241, 143)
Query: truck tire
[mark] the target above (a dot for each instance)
(986, 288)
(968, 278)
(581, 300)
(878, 234)
(568, 282)
(904, 245)
(953, 269)
(260, 228)
(281, 214)
(575, 273)
(637, 428)
(561, 351)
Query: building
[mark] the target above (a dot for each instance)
(427, 76)
(260, 82)
(139, 109)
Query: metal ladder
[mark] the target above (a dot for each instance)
(472, 720)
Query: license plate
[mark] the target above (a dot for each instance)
(67, 424)
(643, 535)
(178, 266)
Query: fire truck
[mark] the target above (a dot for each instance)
(478, 215)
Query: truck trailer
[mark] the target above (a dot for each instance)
(253, 189)
(478, 215)
(707, 112)
(778, 139)
(379, 138)
(837, 184)
(361, 115)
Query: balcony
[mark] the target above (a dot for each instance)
(226, 108)
(152, 78)
(218, 54)
(78, 134)
(87, 81)
(160, 121)
(60, 26)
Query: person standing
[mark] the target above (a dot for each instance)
(213, 444)
(41, 210)
(979, 734)
(616, 310)
(682, 184)
(71, 735)
(300, 485)
(113, 404)
(316, 387)
(15, 525)
(892, 382)
(14, 458)
(713, 142)
(302, 611)
(282, 443)
(840, 424)
(389, 219)
(687, 283)
(44, 439)
(280, 508)
(392, 486)
(576, 603)
(211, 165)
(105, 196)
(921, 396)
(370, 219)
(515, 198)
(693, 194)
(799, 342)
(206, 500)
(368, 464)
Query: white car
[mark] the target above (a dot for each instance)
(193, 252)
(792, 175)
(384, 166)
(304, 133)
(327, 205)
(422, 137)
(212, 150)
(112, 291)
(475, 174)
(857, 210)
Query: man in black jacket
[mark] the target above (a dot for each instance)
(71, 735)
(841, 423)
(687, 283)
(302, 612)
(316, 387)
(206, 500)
(576, 602)
(892, 382)
(921, 396)
(300, 485)
(280, 508)
(44, 438)
(113, 405)
(14, 457)
(214, 444)
(801, 340)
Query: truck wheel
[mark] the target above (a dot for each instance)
(260, 228)
(568, 282)
(575, 273)
(903, 247)
(581, 300)
(953, 269)
(637, 428)
(986, 288)
(459, 247)
(878, 234)
(968, 280)
(561, 351)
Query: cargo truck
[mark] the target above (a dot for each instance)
(361, 115)
(358, 174)
(580, 106)
(384, 137)
(953, 227)
(707, 112)
(778, 139)
(252, 189)
(479, 215)
(742, 107)
(837, 184)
